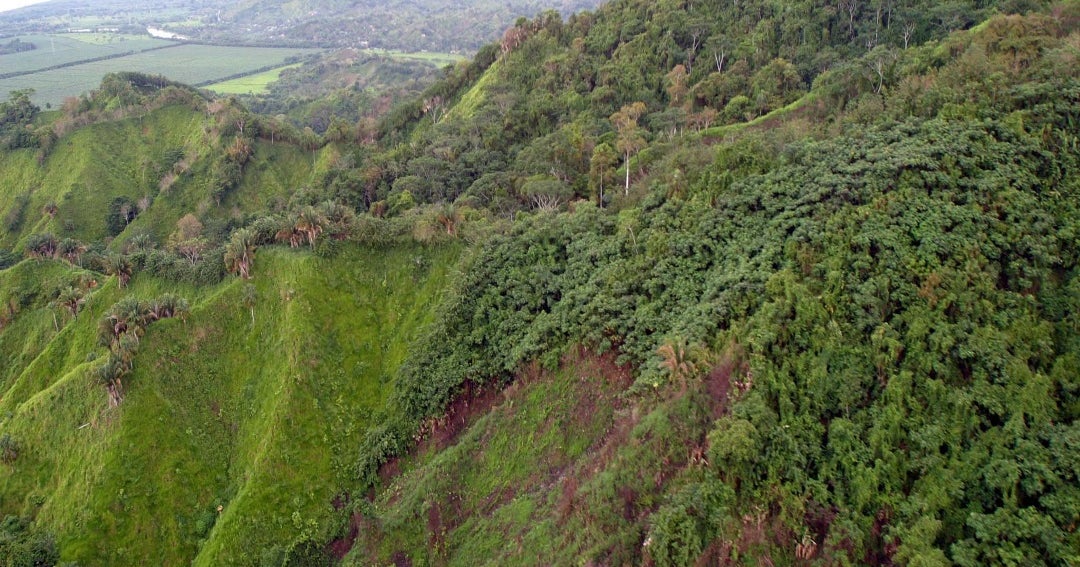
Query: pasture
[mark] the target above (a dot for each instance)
(188, 63)
(59, 49)
(250, 84)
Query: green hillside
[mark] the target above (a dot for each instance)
(664, 284)
(255, 408)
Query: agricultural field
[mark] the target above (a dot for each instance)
(188, 63)
(251, 84)
(59, 49)
(433, 57)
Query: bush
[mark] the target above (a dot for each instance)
(7, 259)
(9, 449)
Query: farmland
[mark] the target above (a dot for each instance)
(188, 63)
(250, 84)
(59, 49)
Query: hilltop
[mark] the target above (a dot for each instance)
(664, 283)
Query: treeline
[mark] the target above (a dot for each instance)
(16, 46)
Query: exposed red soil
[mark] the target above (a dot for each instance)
(474, 402)
(439, 433)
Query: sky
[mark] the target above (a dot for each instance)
(6, 5)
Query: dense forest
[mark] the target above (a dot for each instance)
(667, 283)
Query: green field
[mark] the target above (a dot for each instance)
(251, 84)
(67, 48)
(429, 56)
(187, 63)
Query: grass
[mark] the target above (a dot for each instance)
(251, 84)
(67, 48)
(258, 411)
(96, 164)
(90, 167)
(428, 56)
(187, 63)
(125, 41)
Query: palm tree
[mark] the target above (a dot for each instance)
(119, 266)
(71, 250)
(71, 299)
(450, 218)
(168, 305)
(678, 359)
(340, 219)
(42, 245)
(240, 252)
(310, 222)
(127, 315)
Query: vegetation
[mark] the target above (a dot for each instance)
(257, 83)
(668, 283)
(193, 64)
(431, 25)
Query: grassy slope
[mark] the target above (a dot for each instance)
(258, 419)
(93, 165)
(90, 167)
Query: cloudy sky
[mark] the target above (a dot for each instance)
(6, 5)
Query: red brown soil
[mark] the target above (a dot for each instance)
(476, 401)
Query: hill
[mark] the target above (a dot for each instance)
(667, 283)
(427, 25)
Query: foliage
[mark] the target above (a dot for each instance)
(22, 544)
(16, 117)
(837, 326)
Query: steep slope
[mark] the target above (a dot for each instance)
(817, 306)
(251, 408)
(158, 164)
(887, 258)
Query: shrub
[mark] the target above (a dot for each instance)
(9, 449)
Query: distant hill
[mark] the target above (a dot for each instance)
(431, 25)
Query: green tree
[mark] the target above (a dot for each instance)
(240, 252)
(630, 137)
(42, 245)
(120, 266)
(602, 170)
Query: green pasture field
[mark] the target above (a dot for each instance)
(134, 42)
(188, 63)
(67, 48)
(251, 84)
(429, 56)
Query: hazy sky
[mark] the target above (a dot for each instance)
(6, 5)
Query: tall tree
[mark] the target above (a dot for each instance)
(630, 137)
(602, 170)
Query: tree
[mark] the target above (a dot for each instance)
(187, 239)
(42, 245)
(602, 170)
(240, 253)
(71, 298)
(122, 210)
(119, 266)
(676, 85)
(546, 193)
(629, 140)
